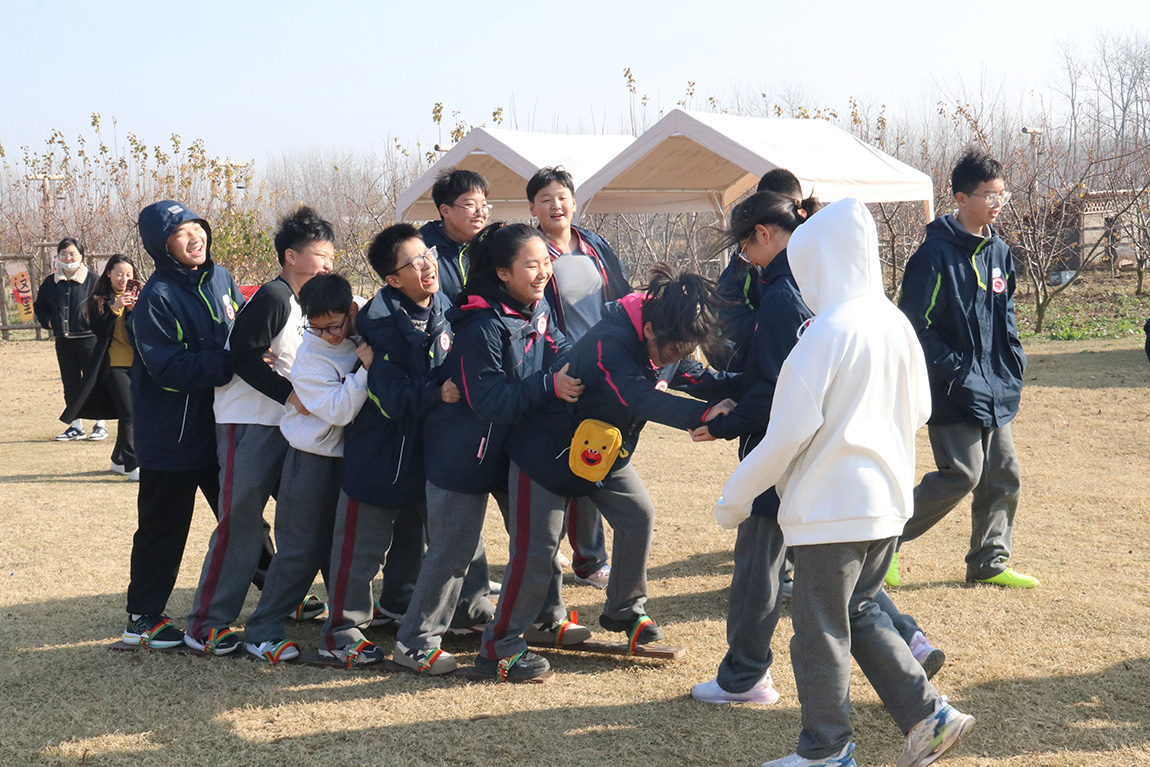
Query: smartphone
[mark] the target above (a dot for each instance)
(133, 286)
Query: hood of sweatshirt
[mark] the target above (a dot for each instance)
(834, 256)
(947, 228)
(157, 222)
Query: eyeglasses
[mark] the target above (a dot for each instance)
(429, 257)
(994, 199)
(474, 209)
(335, 331)
(741, 249)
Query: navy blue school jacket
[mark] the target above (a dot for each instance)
(779, 321)
(179, 327)
(383, 452)
(958, 293)
(504, 362)
(452, 258)
(611, 272)
(741, 284)
(613, 362)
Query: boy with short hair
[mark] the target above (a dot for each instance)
(839, 448)
(460, 196)
(586, 274)
(179, 328)
(384, 488)
(248, 411)
(958, 292)
(332, 385)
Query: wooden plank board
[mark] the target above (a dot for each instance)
(663, 652)
(391, 667)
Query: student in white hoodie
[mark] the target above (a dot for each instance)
(329, 380)
(840, 451)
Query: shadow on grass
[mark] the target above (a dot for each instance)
(1088, 369)
(79, 476)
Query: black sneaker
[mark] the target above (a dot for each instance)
(517, 668)
(311, 608)
(639, 629)
(152, 631)
(217, 642)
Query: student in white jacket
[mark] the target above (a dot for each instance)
(332, 386)
(840, 451)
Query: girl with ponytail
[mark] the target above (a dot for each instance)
(626, 362)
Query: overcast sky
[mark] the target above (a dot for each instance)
(255, 79)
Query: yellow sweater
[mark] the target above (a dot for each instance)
(120, 350)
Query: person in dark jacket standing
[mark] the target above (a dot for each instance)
(108, 373)
(958, 293)
(179, 328)
(460, 196)
(61, 307)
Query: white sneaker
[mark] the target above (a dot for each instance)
(274, 651)
(928, 656)
(98, 433)
(134, 475)
(434, 661)
(598, 579)
(564, 560)
(494, 588)
(934, 736)
(116, 468)
(710, 692)
(841, 759)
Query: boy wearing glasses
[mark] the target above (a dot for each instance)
(586, 275)
(329, 380)
(251, 448)
(958, 292)
(381, 503)
(461, 198)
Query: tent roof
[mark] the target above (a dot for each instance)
(699, 161)
(507, 159)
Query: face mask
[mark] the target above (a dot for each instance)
(69, 267)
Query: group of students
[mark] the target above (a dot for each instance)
(492, 362)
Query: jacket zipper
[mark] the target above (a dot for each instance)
(184, 420)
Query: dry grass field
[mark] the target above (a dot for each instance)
(1056, 676)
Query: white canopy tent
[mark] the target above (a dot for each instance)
(508, 159)
(698, 161)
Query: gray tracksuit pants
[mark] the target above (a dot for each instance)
(835, 616)
(532, 580)
(585, 534)
(360, 543)
(305, 516)
(754, 606)
(251, 460)
(971, 457)
(453, 580)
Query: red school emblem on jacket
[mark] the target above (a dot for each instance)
(541, 325)
(229, 310)
(444, 341)
(998, 285)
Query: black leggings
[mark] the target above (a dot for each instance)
(119, 383)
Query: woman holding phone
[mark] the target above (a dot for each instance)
(107, 379)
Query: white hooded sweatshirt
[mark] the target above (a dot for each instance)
(850, 397)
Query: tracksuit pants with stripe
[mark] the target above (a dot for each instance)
(452, 590)
(305, 516)
(363, 538)
(531, 582)
(251, 460)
